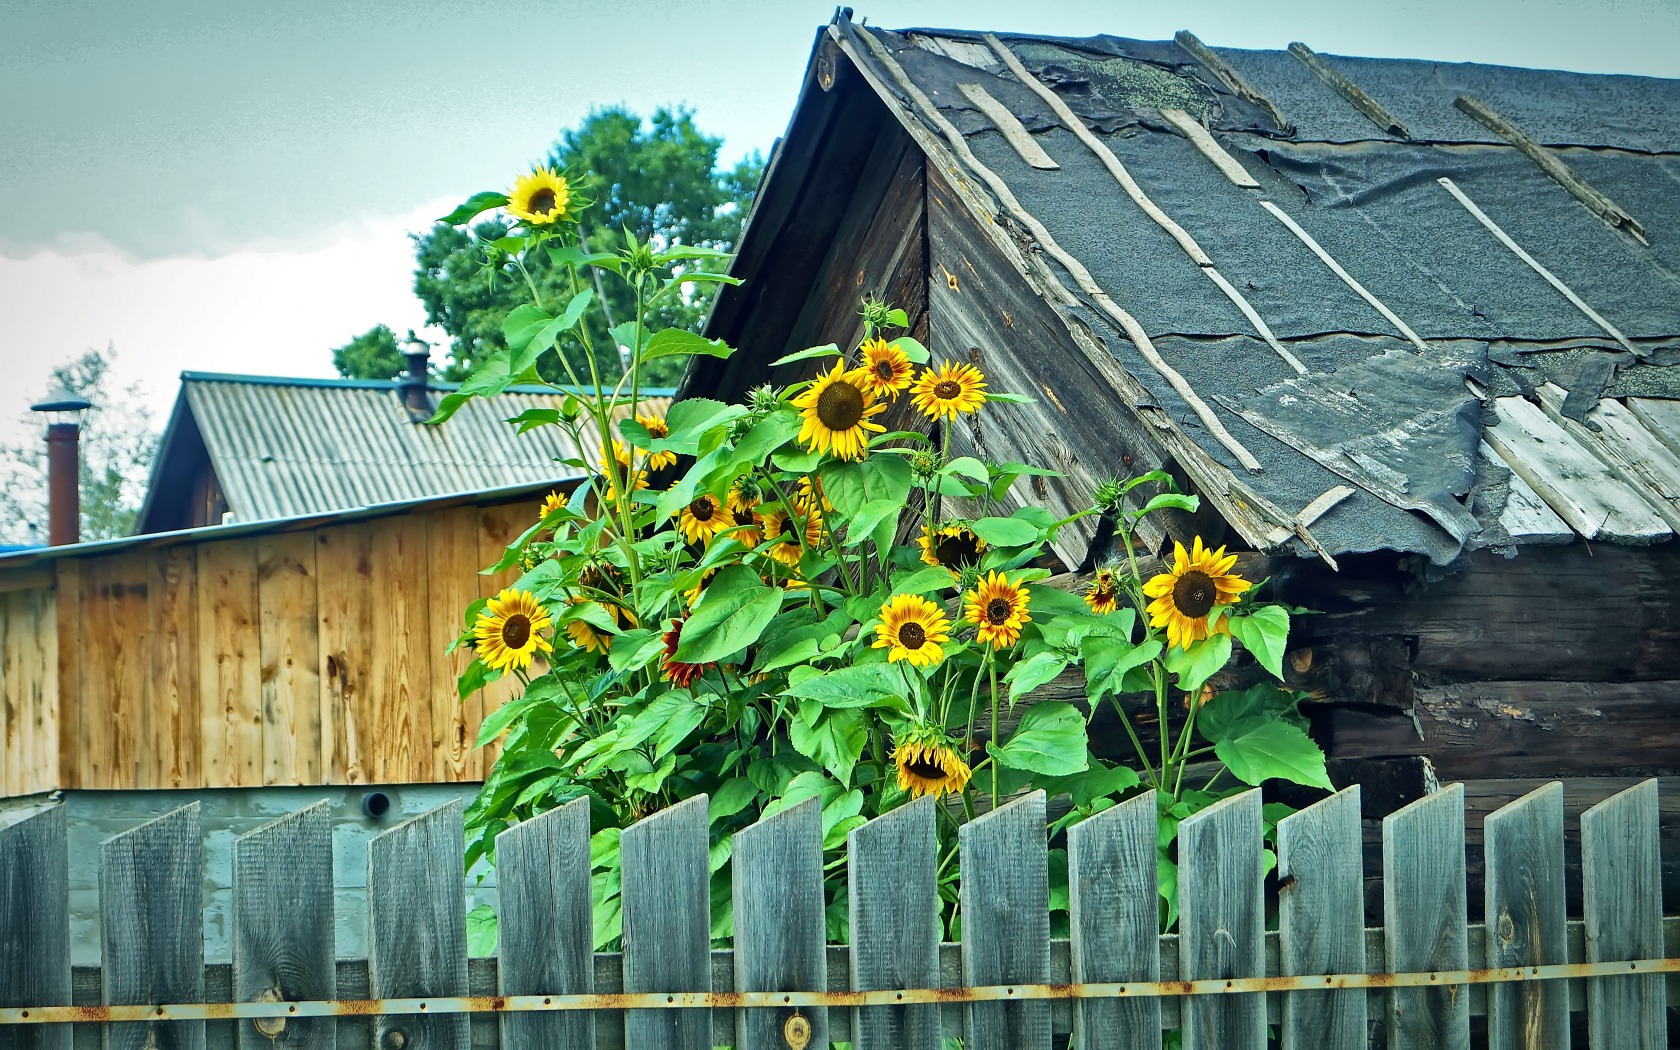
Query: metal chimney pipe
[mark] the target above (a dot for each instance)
(64, 466)
(412, 385)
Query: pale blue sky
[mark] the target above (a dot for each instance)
(228, 186)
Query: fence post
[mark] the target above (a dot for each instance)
(781, 925)
(35, 925)
(894, 897)
(1424, 915)
(546, 930)
(417, 928)
(151, 910)
(1527, 920)
(1114, 903)
(1321, 920)
(1621, 877)
(1221, 921)
(283, 927)
(667, 923)
(1005, 895)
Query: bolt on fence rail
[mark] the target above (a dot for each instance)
(1115, 983)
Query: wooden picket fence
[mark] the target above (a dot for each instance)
(1320, 980)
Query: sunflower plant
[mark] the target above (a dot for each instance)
(781, 600)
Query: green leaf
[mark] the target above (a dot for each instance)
(1195, 665)
(1264, 632)
(498, 720)
(1107, 659)
(691, 419)
(1050, 740)
(766, 436)
(634, 648)
(490, 377)
(542, 340)
(475, 205)
(913, 350)
(477, 675)
(861, 685)
(834, 740)
(1005, 532)
(572, 256)
(851, 485)
(898, 318)
(679, 342)
(1010, 399)
(676, 728)
(481, 930)
(522, 324)
(1172, 500)
(861, 525)
(826, 350)
(1234, 712)
(731, 797)
(924, 581)
(1033, 672)
(732, 612)
(1275, 751)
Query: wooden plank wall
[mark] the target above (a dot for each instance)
(309, 657)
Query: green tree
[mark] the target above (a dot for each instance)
(118, 443)
(371, 355)
(657, 178)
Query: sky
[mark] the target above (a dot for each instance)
(215, 186)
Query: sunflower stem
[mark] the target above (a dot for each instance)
(1137, 744)
(992, 728)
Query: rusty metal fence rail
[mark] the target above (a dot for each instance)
(1321, 977)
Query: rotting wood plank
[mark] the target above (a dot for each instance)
(1369, 107)
(1321, 920)
(398, 651)
(1525, 914)
(35, 924)
(1425, 914)
(282, 917)
(1010, 127)
(174, 706)
(1576, 484)
(230, 664)
(1622, 443)
(1006, 922)
(452, 583)
(1621, 870)
(1209, 147)
(1114, 915)
(1525, 515)
(1228, 76)
(1222, 921)
(72, 733)
(893, 894)
(780, 923)
(417, 927)
(546, 932)
(152, 927)
(291, 659)
(667, 923)
(1661, 417)
(344, 599)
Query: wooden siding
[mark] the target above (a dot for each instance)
(301, 658)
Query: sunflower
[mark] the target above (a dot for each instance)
(811, 497)
(949, 391)
(837, 412)
(539, 198)
(702, 518)
(886, 369)
(911, 628)
(679, 674)
(928, 763)
(658, 429)
(953, 545)
(1199, 581)
(999, 609)
(554, 501)
(586, 635)
(637, 477)
(781, 537)
(743, 516)
(692, 595)
(507, 630)
(1103, 596)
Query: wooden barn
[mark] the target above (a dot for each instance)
(1410, 329)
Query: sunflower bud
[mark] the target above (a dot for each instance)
(968, 578)
(925, 463)
(875, 313)
(1109, 494)
(763, 399)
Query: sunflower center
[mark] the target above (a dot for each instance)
(542, 201)
(516, 631)
(1194, 594)
(998, 611)
(947, 389)
(924, 770)
(702, 509)
(840, 406)
(912, 636)
(958, 551)
(885, 369)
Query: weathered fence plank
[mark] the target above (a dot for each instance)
(152, 927)
(1113, 900)
(1621, 874)
(1527, 920)
(1005, 908)
(894, 898)
(1424, 912)
(35, 924)
(667, 923)
(546, 926)
(283, 927)
(1321, 920)
(781, 928)
(1222, 921)
(417, 927)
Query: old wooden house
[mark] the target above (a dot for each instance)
(1410, 329)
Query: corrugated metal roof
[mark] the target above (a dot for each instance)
(284, 448)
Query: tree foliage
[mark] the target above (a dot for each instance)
(118, 443)
(372, 355)
(657, 178)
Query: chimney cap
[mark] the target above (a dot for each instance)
(62, 400)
